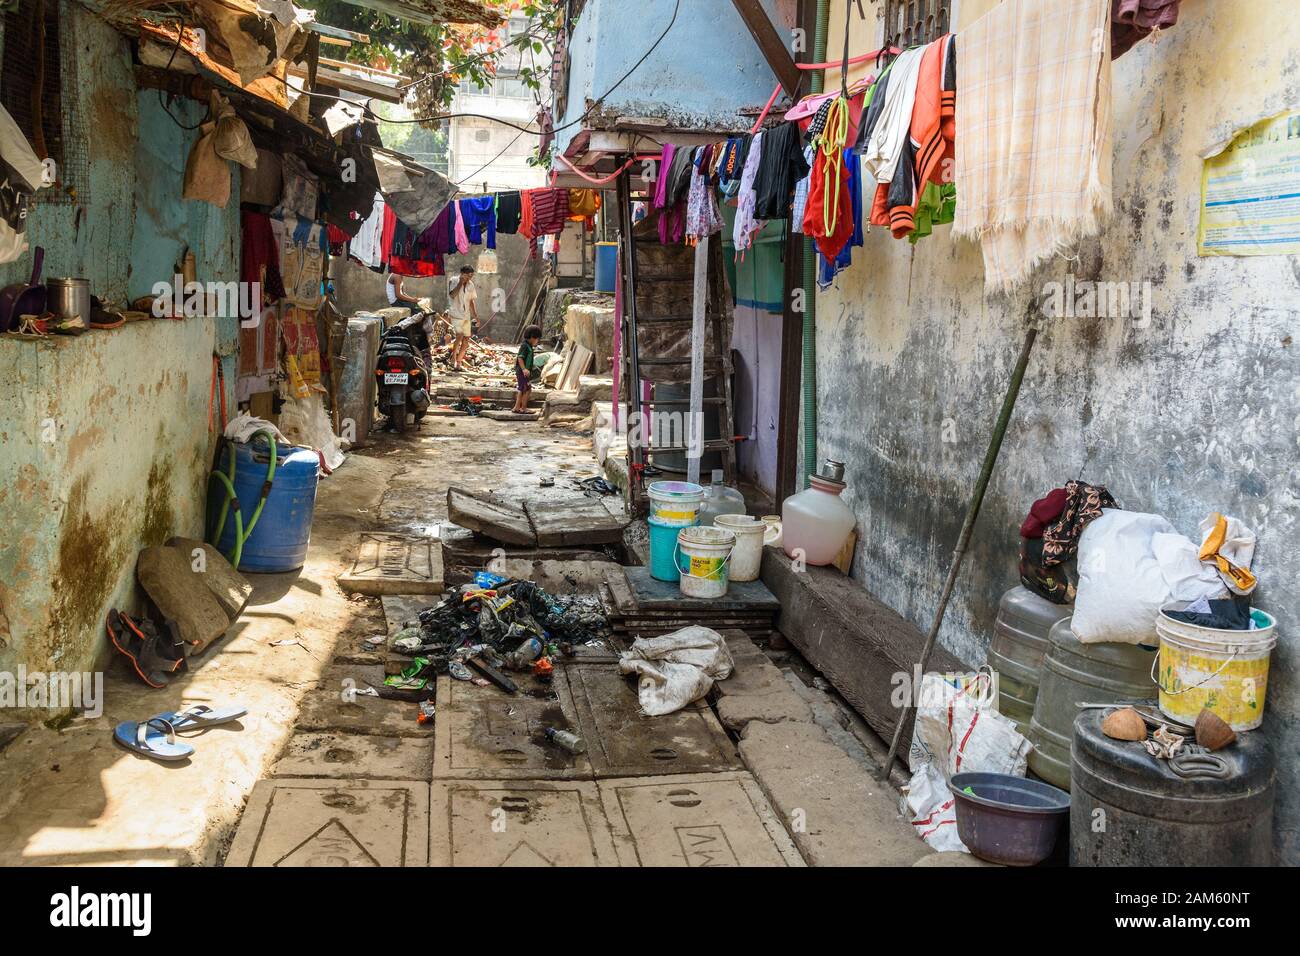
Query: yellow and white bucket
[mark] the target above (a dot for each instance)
(675, 503)
(1223, 671)
(703, 553)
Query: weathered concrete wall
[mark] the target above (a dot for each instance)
(357, 289)
(707, 67)
(105, 436)
(1193, 414)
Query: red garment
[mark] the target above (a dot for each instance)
(386, 234)
(1045, 511)
(814, 222)
(259, 254)
(416, 267)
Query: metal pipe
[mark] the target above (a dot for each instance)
(968, 526)
(636, 453)
(810, 278)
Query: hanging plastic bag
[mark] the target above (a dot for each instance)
(487, 262)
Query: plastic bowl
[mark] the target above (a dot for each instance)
(1009, 820)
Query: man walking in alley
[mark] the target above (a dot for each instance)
(462, 310)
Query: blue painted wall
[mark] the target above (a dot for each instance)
(707, 67)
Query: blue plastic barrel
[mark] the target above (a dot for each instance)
(279, 540)
(606, 266)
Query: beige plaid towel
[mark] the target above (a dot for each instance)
(1033, 165)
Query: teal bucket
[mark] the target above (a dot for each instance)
(663, 548)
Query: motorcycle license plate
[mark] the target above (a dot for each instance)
(396, 378)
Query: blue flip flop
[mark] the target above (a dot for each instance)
(154, 738)
(201, 716)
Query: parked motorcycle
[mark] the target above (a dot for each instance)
(401, 372)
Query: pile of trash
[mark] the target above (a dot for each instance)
(498, 623)
(481, 358)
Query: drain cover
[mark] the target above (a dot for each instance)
(695, 820)
(518, 823)
(317, 822)
(484, 733)
(623, 742)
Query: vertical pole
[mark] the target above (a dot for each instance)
(695, 425)
(963, 540)
(636, 424)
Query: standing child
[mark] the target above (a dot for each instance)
(524, 368)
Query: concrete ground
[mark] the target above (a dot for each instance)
(320, 778)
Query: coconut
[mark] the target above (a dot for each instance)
(1124, 724)
(1212, 731)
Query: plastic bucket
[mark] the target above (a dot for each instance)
(703, 554)
(663, 551)
(676, 503)
(1220, 670)
(747, 555)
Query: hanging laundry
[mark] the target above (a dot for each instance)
(1034, 170)
(365, 245)
(479, 214)
(583, 203)
(462, 236)
(800, 204)
(884, 147)
(301, 190)
(703, 217)
(929, 148)
(782, 168)
(410, 255)
(259, 259)
(386, 234)
(732, 165)
(440, 237)
(1133, 20)
(831, 267)
(509, 211)
(746, 198)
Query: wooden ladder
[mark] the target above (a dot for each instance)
(662, 279)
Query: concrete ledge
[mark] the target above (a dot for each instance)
(756, 689)
(836, 812)
(856, 641)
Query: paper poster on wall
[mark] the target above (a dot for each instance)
(1250, 192)
(301, 350)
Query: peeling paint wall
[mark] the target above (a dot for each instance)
(105, 435)
(707, 67)
(1193, 414)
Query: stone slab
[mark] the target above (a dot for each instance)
(346, 756)
(491, 517)
(330, 706)
(839, 815)
(231, 589)
(585, 521)
(654, 595)
(400, 608)
(857, 642)
(518, 823)
(623, 742)
(756, 689)
(485, 733)
(385, 563)
(169, 578)
(334, 823)
(695, 820)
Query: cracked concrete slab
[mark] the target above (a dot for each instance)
(334, 823)
(333, 705)
(756, 689)
(355, 756)
(624, 742)
(483, 732)
(519, 823)
(695, 820)
(839, 814)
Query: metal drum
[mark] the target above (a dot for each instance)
(1129, 809)
(1073, 673)
(1016, 653)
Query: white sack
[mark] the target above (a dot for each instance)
(244, 426)
(929, 806)
(307, 423)
(1187, 577)
(1121, 584)
(676, 669)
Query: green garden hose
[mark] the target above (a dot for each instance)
(242, 534)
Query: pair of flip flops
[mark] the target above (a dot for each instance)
(157, 736)
(155, 658)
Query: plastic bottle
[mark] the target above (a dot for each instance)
(563, 738)
(720, 500)
(522, 657)
(816, 522)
